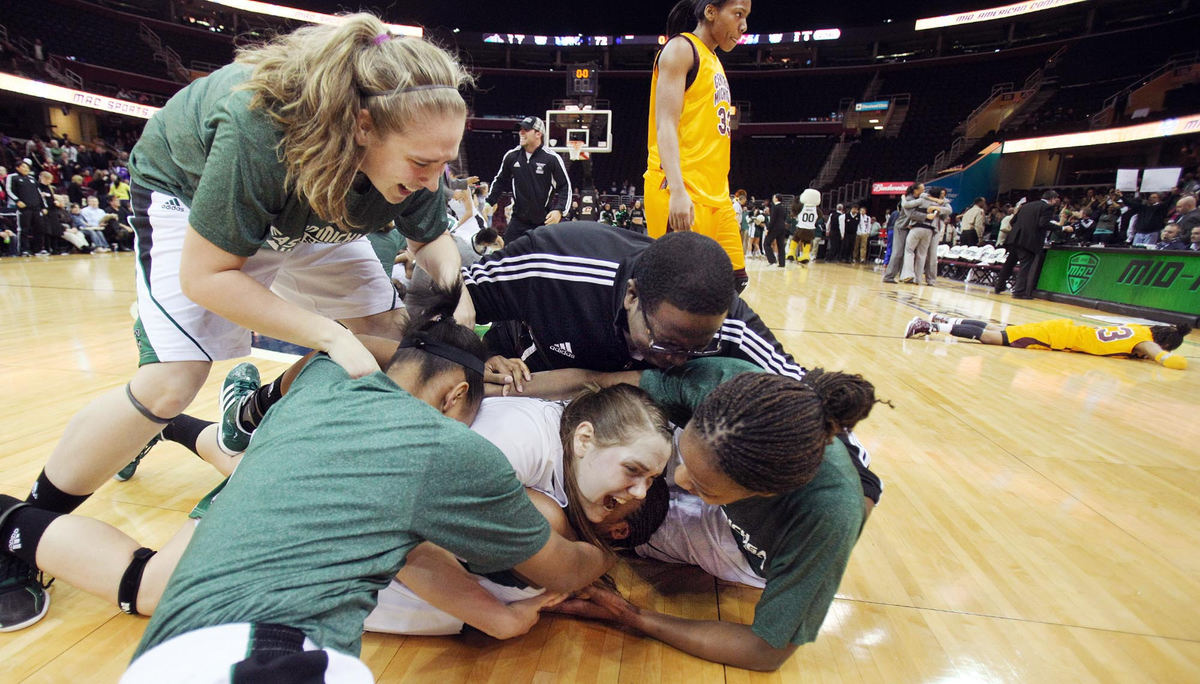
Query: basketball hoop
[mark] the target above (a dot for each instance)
(575, 150)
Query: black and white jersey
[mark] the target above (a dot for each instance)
(567, 284)
(538, 182)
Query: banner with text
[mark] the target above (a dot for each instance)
(1167, 280)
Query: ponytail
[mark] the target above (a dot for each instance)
(436, 326)
(686, 15)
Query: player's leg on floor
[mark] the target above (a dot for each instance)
(101, 438)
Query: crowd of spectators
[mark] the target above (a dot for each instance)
(62, 197)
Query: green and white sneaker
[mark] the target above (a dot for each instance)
(23, 596)
(240, 384)
(127, 472)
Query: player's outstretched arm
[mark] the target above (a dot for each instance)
(1161, 356)
(721, 642)
(565, 383)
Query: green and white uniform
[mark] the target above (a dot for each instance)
(209, 160)
(798, 542)
(315, 522)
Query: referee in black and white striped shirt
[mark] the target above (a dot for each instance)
(537, 179)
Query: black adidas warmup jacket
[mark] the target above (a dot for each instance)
(567, 283)
(539, 184)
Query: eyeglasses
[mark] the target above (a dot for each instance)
(712, 347)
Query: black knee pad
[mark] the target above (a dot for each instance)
(131, 581)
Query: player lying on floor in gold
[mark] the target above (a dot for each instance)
(1128, 341)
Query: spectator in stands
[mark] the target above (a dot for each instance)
(1105, 230)
(61, 225)
(1195, 243)
(120, 191)
(973, 224)
(1029, 228)
(92, 216)
(621, 217)
(1151, 217)
(100, 184)
(1189, 214)
(637, 218)
(117, 225)
(1171, 238)
(75, 190)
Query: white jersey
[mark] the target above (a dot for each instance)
(526, 431)
(696, 533)
(807, 218)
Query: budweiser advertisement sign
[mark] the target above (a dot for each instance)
(889, 188)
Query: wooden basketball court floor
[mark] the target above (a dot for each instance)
(1038, 522)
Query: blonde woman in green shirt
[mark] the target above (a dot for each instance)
(250, 189)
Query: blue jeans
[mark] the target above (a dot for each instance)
(1145, 238)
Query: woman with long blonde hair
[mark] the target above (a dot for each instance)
(250, 189)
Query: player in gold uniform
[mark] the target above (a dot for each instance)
(690, 112)
(1061, 334)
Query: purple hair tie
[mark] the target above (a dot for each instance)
(382, 38)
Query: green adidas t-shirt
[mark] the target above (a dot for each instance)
(341, 480)
(799, 542)
(220, 157)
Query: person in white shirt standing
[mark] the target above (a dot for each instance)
(862, 236)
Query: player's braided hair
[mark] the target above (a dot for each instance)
(1169, 337)
(769, 432)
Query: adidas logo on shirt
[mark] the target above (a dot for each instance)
(563, 348)
(14, 541)
(173, 204)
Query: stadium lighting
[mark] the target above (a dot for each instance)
(305, 15)
(1183, 125)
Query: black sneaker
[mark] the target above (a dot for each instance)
(23, 596)
(127, 472)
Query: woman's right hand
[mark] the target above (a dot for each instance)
(351, 355)
(681, 213)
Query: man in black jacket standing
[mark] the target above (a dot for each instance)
(1029, 228)
(537, 179)
(31, 209)
(777, 233)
